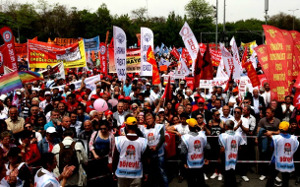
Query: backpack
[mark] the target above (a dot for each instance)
(68, 156)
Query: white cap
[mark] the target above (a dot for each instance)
(51, 130)
(48, 93)
(3, 97)
(18, 92)
(161, 110)
(148, 84)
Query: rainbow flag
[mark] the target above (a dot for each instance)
(10, 82)
(30, 76)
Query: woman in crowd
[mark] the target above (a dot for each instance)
(29, 151)
(39, 124)
(101, 145)
(6, 143)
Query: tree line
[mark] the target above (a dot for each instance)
(56, 20)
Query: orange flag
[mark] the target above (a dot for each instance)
(151, 60)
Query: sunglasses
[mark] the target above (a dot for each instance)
(237, 112)
(103, 129)
(245, 102)
(199, 117)
(134, 108)
(217, 114)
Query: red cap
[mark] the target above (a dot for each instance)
(101, 76)
(78, 98)
(101, 94)
(108, 112)
(201, 100)
(127, 98)
(82, 94)
(89, 72)
(79, 73)
(236, 89)
(94, 97)
(121, 97)
(197, 95)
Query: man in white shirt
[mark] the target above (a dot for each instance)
(47, 100)
(241, 126)
(226, 116)
(267, 94)
(119, 115)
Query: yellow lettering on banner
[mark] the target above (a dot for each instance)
(279, 77)
(288, 48)
(298, 46)
(272, 32)
(278, 67)
(289, 56)
(276, 47)
(266, 66)
(280, 97)
(277, 56)
(280, 90)
(264, 59)
(261, 50)
(289, 72)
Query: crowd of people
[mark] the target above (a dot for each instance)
(54, 136)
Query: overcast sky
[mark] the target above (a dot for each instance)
(235, 9)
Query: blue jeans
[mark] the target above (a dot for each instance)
(157, 175)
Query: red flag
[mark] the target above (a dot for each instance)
(297, 97)
(297, 83)
(170, 145)
(151, 60)
(175, 53)
(251, 72)
(229, 80)
(9, 53)
(197, 69)
(168, 92)
(244, 58)
(207, 68)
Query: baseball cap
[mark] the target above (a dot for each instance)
(161, 110)
(284, 126)
(196, 95)
(148, 84)
(192, 122)
(108, 112)
(48, 93)
(182, 82)
(201, 100)
(50, 130)
(131, 121)
(94, 97)
(121, 97)
(127, 98)
(3, 97)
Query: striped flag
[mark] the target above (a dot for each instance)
(30, 76)
(10, 82)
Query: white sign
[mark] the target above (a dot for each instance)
(190, 42)
(120, 52)
(147, 39)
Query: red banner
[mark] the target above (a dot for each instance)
(175, 53)
(103, 58)
(190, 82)
(252, 74)
(42, 54)
(9, 53)
(216, 55)
(278, 66)
(291, 64)
(2, 60)
(296, 49)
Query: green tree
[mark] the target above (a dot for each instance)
(284, 21)
(199, 9)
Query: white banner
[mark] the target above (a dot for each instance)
(221, 73)
(89, 83)
(229, 63)
(190, 42)
(183, 68)
(120, 52)
(147, 39)
(236, 57)
(57, 71)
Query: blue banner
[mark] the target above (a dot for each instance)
(92, 44)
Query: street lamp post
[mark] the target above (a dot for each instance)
(294, 17)
(216, 23)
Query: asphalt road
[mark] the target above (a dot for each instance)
(254, 182)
